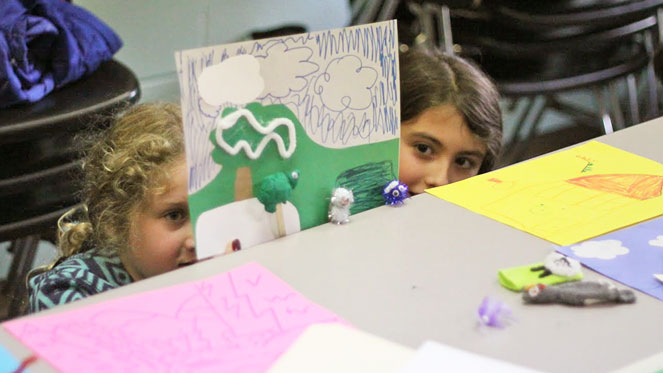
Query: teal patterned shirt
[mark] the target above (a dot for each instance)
(75, 278)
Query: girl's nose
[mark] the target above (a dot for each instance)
(189, 243)
(438, 176)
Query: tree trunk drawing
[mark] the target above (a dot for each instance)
(243, 184)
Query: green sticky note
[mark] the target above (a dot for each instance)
(516, 278)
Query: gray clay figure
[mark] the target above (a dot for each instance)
(578, 293)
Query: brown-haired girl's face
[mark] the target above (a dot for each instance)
(160, 236)
(437, 148)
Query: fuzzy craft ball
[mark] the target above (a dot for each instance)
(339, 205)
(276, 188)
(395, 193)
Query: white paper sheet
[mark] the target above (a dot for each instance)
(339, 348)
(434, 357)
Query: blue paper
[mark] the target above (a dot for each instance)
(631, 255)
(8, 362)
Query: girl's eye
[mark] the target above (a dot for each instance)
(465, 163)
(175, 215)
(423, 149)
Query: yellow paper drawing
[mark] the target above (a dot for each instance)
(566, 197)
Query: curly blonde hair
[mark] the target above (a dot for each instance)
(121, 167)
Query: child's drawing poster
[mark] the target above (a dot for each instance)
(238, 321)
(566, 197)
(273, 126)
(632, 256)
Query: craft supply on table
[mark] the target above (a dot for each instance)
(494, 313)
(434, 357)
(555, 269)
(236, 138)
(339, 205)
(633, 255)
(334, 347)
(242, 320)
(580, 293)
(558, 198)
(277, 188)
(395, 193)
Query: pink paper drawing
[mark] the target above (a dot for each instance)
(238, 321)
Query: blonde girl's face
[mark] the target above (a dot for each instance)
(437, 148)
(160, 236)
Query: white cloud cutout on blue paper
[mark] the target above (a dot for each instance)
(605, 249)
(657, 242)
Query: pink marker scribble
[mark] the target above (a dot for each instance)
(238, 321)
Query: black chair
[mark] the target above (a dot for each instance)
(536, 50)
(40, 162)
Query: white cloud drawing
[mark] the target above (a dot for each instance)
(285, 69)
(346, 84)
(657, 242)
(606, 249)
(236, 80)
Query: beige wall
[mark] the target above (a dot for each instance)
(152, 30)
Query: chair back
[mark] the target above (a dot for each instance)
(41, 161)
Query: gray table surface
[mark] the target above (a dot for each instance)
(419, 272)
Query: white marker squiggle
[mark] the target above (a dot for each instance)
(229, 121)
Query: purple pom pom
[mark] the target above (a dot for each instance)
(493, 313)
(395, 193)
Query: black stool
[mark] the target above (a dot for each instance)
(39, 162)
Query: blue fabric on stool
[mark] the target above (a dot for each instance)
(45, 44)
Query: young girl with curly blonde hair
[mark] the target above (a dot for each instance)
(134, 220)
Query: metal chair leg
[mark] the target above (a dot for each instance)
(522, 144)
(616, 106)
(632, 92)
(603, 111)
(522, 119)
(444, 25)
(537, 119)
(25, 250)
(651, 78)
(425, 23)
(388, 10)
(365, 11)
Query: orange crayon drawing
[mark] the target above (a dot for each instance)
(567, 197)
(636, 186)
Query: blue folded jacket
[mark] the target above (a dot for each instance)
(45, 44)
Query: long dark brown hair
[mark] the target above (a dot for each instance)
(431, 78)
